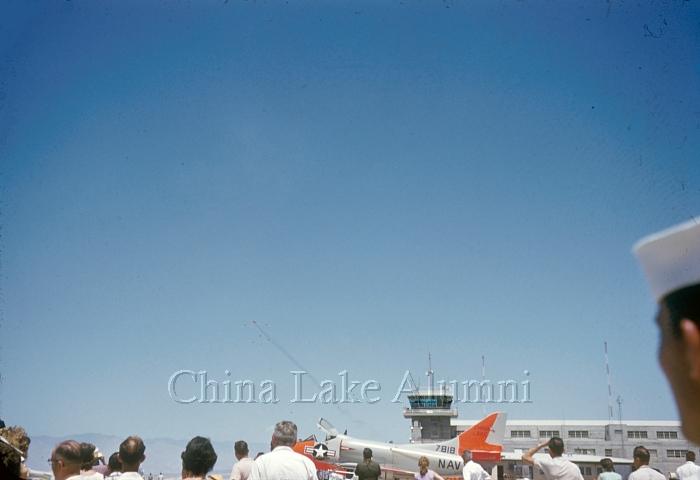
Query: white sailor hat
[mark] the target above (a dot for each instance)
(671, 258)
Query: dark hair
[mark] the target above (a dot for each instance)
(607, 465)
(642, 454)
(87, 455)
(113, 463)
(241, 447)
(131, 450)
(683, 303)
(690, 456)
(199, 456)
(367, 453)
(10, 461)
(556, 445)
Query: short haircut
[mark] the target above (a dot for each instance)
(556, 445)
(285, 433)
(69, 451)
(240, 447)
(199, 456)
(113, 463)
(683, 303)
(367, 453)
(690, 456)
(87, 455)
(607, 464)
(642, 454)
(131, 450)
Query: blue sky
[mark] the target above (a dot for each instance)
(369, 182)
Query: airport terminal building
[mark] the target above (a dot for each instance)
(664, 439)
(433, 418)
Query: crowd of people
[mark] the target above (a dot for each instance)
(71, 460)
(671, 261)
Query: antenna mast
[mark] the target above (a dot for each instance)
(430, 374)
(622, 433)
(607, 370)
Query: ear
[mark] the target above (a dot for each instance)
(691, 341)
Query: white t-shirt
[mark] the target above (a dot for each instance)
(558, 468)
(241, 469)
(645, 472)
(91, 476)
(283, 463)
(688, 471)
(474, 471)
(130, 476)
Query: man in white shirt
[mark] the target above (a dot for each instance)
(241, 469)
(283, 463)
(640, 464)
(472, 470)
(65, 460)
(554, 466)
(131, 455)
(688, 471)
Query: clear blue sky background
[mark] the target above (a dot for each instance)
(367, 181)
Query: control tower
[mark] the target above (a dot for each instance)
(430, 412)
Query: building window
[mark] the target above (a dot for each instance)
(584, 451)
(653, 452)
(608, 452)
(520, 434)
(578, 433)
(676, 453)
(636, 434)
(585, 470)
(667, 435)
(549, 433)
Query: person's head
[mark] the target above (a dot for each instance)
(87, 456)
(18, 437)
(556, 446)
(423, 464)
(690, 456)
(607, 465)
(679, 353)
(240, 448)
(285, 434)
(466, 455)
(132, 453)
(10, 462)
(113, 464)
(66, 459)
(367, 453)
(640, 456)
(198, 458)
(671, 261)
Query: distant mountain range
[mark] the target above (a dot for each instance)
(162, 454)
